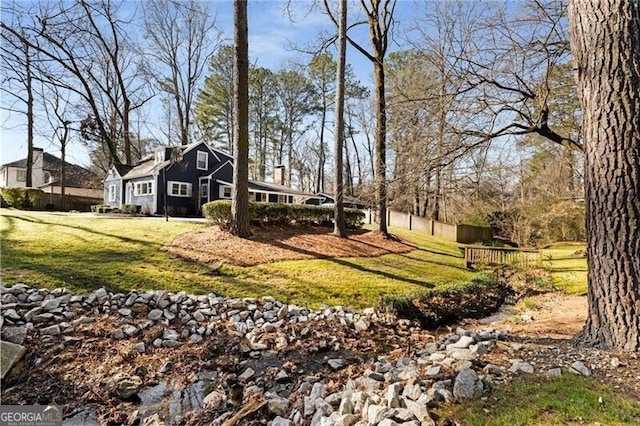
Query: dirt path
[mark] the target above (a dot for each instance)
(541, 329)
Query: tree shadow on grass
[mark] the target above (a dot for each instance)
(81, 228)
(352, 265)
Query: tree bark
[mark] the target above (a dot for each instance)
(240, 194)
(29, 87)
(605, 42)
(340, 228)
(381, 149)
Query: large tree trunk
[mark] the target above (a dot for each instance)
(340, 228)
(240, 195)
(605, 42)
(381, 149)
(29, 87)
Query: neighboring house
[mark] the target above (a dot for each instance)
(189, 176)
(328, 200)
(46, 175)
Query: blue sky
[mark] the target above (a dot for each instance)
(273, 36)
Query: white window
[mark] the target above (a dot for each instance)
(112, 192)
(21, 175)
(179, 189)
(203, 161)
(144, 188)
(204, 191)
(225, 192)
(281, 198)
(47, 177)
(159, 157)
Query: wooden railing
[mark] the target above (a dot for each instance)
(474, 255)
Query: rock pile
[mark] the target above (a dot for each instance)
(387, 390)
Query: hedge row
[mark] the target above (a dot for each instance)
(126, 208)
(21, 197)
(219, 212)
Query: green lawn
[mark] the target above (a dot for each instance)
(538, 400)
(568, 267)
(82, 252)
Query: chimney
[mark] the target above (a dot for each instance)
(278, 175)
(37, 172)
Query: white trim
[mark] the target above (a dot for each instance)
(170, 188)
(220, 168)
(206, 181)
(21, 172)
(112, 192)
(221, 192)
(137, 191)
(206, 160)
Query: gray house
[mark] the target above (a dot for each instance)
(185, 178)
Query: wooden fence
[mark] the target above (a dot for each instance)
(71, 202)
(459, 233)
(474, 255)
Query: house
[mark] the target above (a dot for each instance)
(328, 200)
(46, 175)
(186, 177)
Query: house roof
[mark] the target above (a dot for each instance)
(346, 198)
(256, 185)
(147, 166)
(122, 169)
(75, 176)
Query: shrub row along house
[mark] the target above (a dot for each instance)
(183, 178)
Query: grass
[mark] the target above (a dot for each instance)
(568, 268)
(538, 400)
(82, 252)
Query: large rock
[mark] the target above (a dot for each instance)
(579, 368)
(14, 334)
(124, 385)
(10, 354)
(467, 384)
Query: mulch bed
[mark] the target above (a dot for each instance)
(215, 247)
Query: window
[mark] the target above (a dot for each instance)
(112, 192)
(225, 192)
(159, 157)
(203, 161)
(281, 198)
(204, 191)
(179, 189)
(21, 176)
(144, 188)
(47, 177)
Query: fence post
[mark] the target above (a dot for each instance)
(410, 221)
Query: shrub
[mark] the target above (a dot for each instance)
(13, 196)
(33, 195)
(219, 212)
(101, 208)
(131, 208)
(21, 197)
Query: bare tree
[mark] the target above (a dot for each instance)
(81, 49)
(240, 193)
(181, 42)
(339, 219)
(17, 79)
(379, 15)
(56, 107)
(605, 42)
